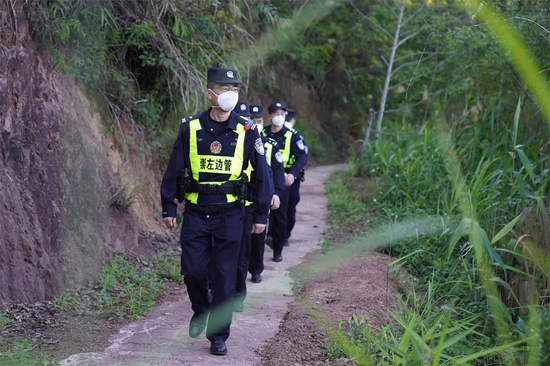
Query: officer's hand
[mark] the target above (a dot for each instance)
(289, 180)
(170, 222)
(275, 202)
(258, 228)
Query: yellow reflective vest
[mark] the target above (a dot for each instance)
(211, 168)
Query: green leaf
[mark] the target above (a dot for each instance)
(526, 164)
(516, 121)
(505, 230)
(463, 229)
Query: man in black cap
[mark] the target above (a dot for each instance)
(242, 109)
(294, 197)
(294, 157)
(275, 161)
(206, 168)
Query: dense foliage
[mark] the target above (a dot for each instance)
(474, 152)
(455, 141)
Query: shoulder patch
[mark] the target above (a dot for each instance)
(247, 123)
(279, 157)
(300, 145)
(259, 146)
(190, 118)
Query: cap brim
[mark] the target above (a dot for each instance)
(228, 81)
(273, 110)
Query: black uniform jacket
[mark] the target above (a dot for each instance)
(253, 153)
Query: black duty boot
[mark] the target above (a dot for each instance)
(256, 278)
(218, 348)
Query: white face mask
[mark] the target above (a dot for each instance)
(228, 100)
(288, 125)
(278, 121)
(259, 128)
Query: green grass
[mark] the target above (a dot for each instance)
(23, 353)
(484, 274)
(126, 290)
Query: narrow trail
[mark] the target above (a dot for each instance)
(161, 338)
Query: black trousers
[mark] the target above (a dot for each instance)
(278, 222)
(244, 255)
(293, 201)
(257, 250)
(210, 242)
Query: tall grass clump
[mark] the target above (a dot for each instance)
(489, 283)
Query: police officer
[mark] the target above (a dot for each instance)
(275, 161)
(294, 155)
(294, 197)
(242, 109)
(211, 153)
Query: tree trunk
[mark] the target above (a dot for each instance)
(368, 129)
(386, 88)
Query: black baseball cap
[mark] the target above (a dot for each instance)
(242, 109)
(290, 113)
(222, 75)
(276, 105)
(256, 111)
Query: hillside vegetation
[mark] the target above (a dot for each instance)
(441, 105)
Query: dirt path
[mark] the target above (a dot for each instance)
(161, 338)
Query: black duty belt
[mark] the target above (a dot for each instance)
(205, 188)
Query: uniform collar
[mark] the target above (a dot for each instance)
(279, 133)
(231, 122)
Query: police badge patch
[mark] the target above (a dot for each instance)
(300, 144)
(259, 146)
(279, 157)
(215, 147)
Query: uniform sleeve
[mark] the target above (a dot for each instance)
(262, 180)
(299, 150)
(278, 171)
(169, 186)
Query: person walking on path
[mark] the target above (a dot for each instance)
(294, 196)
(205, 170)
(294, 156)
(275, 161)
(244, 256)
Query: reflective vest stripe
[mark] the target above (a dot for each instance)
(268, 149)
(286, 150)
